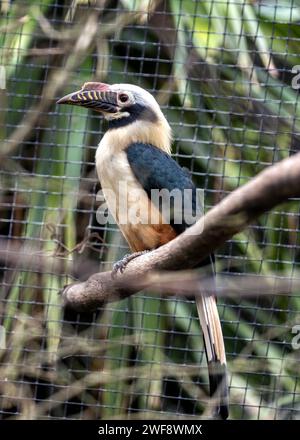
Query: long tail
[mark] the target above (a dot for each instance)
(215, 352)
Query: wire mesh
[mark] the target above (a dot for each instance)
(223, 72)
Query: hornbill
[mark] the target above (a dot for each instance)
(134, 158)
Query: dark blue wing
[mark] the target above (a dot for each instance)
(156, 170)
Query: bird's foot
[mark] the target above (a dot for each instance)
(120, 266)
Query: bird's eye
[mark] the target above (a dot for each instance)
(123, 98)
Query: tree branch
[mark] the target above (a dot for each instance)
(272, 186)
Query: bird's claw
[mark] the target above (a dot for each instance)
(120, 265)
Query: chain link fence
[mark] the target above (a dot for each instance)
(225, 73)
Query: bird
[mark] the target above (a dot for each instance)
(133, 159)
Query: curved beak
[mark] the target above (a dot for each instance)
(68, 99)
(98, 97)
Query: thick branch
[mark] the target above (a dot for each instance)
(272, 186)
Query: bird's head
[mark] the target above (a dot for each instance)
(124, 106)
(125, 103)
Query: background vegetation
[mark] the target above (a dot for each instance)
(222, 72)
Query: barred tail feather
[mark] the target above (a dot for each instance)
(215, 352)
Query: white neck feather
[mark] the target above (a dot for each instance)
(155, 133)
